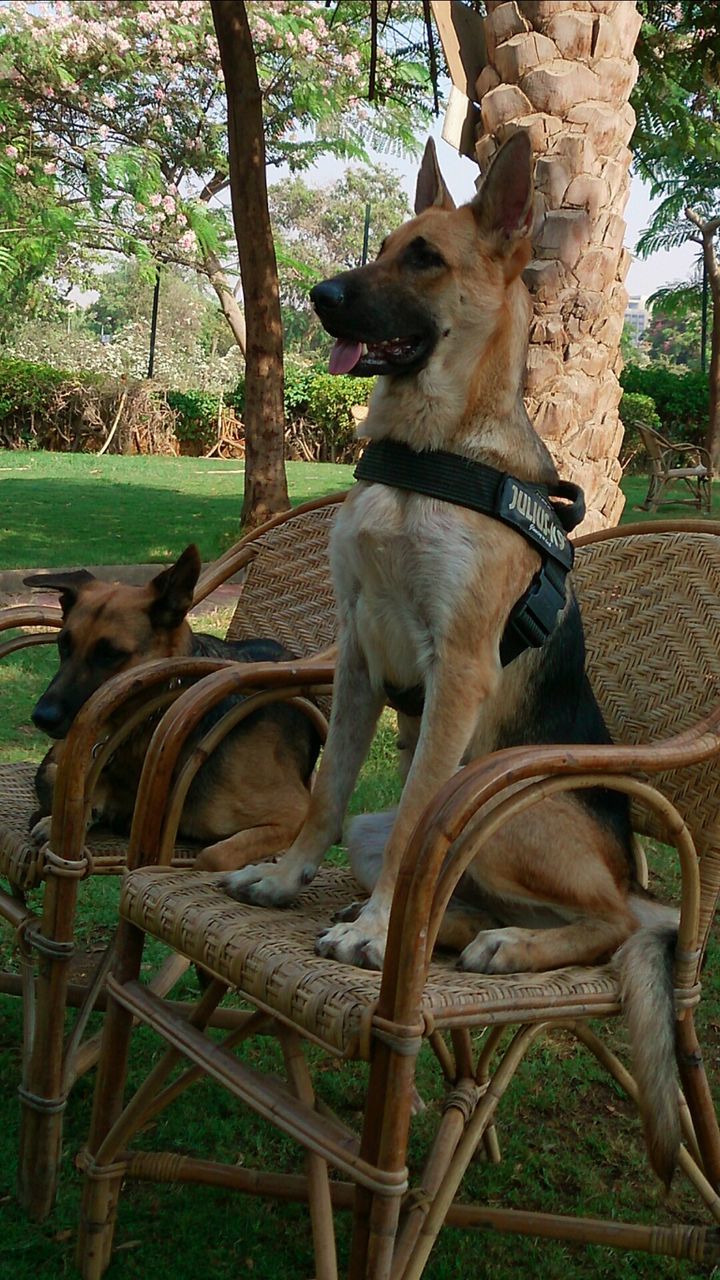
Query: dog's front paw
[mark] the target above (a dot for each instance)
(361, 941)
(268, 884)
(346, 914)
(40, 832)
(495, 951)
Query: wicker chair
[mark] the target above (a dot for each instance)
(286, 593)
(673, 464)
(650, 597)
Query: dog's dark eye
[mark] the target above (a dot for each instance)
(64, 645)
(106, 654)
(421, 256)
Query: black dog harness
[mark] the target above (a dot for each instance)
(532, 510)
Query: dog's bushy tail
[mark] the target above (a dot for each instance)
(645, 964)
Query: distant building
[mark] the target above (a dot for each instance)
(636, 315)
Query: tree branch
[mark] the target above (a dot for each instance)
(708, 227)
(219, 182)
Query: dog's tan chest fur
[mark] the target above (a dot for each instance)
(412, 576)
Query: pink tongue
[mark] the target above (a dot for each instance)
(344, 356)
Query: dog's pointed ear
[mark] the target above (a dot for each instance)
(503, 206)
(173, 590)
(68, 585)
(431, 190)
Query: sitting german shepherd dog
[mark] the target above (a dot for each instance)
(426, 588)
(251, 797)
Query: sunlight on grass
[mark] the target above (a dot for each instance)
(134, 510)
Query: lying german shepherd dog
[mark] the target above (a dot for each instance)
(249, 800)
(445, 597)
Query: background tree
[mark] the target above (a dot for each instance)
(266, 489)
(34, 231)
(678, 150)
(113, 120)
(110, 335)
(673, 335)
(320, 230)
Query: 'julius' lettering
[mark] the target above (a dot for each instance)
(537, 514)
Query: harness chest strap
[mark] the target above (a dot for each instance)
(529, 509)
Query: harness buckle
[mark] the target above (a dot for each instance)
(534, 617)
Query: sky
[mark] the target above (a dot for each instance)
(644, 276)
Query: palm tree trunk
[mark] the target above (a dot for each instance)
(708, 231)
(713, 435)
(563, 71)
(265, 481)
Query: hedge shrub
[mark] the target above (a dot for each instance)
(196, 416)
(681, 399)
(318, 408)
(320, 424)
(27, 388)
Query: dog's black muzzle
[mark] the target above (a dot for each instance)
(51, 716)
(327, 296)
(397, 332)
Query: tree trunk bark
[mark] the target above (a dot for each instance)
(228, 302)
(709, 230)
(265, 481)
(713, 435)
(563, 72)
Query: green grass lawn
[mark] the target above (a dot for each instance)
(75, 509)
(570, 1142)
(635, 488)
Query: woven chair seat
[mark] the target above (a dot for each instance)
(268, 956)
(23, 863)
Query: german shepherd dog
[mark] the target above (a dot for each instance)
(249, 800)
(424, 590)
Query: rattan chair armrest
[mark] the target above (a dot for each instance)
(69, 802)
(466, 795)
(285, 679)
(481, 826)
(695, 449)
(30, 615)
(710, 528)
(20, 616)
(129, 687)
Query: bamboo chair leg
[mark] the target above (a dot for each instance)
(27, 988)
(41, 1091)
(101, 1188)
(651, 496)
(463, 1153)
(462, 1044)
(82, 1055)
(686, 1161)
(459, 1106)
(491, 1142)
(444, 1056)
(384, 1141)
(321, 1210)
(698, 1097)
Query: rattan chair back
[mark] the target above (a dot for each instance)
(655, 445)
(651, 606)
(287, 593)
